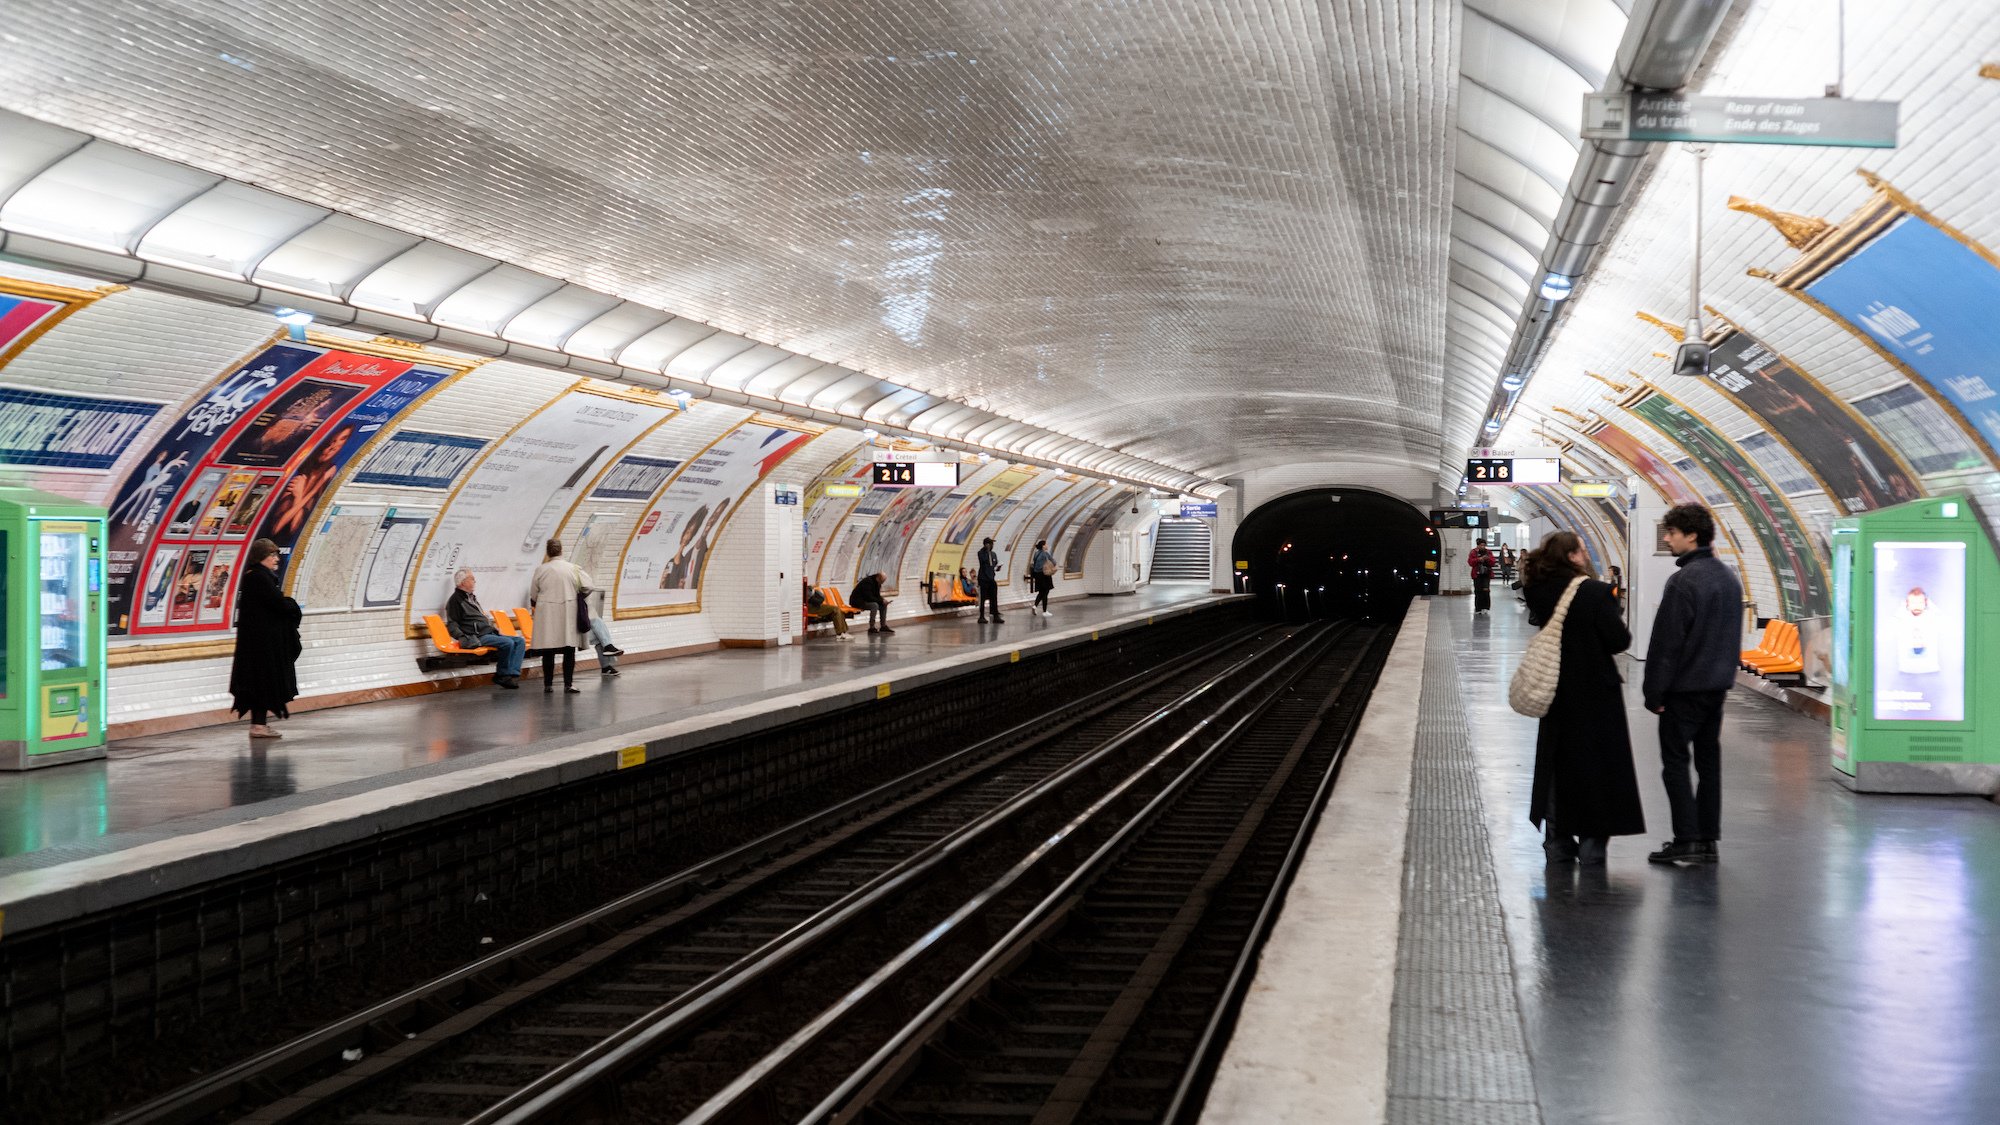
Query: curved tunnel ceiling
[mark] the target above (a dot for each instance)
(1079, 217)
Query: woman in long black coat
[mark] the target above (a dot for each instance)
(263, 678)
(1585, 790)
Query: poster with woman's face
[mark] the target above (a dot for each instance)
(215, 584)
(186, 603)
(287, 422)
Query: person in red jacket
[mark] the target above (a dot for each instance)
(1483, 564)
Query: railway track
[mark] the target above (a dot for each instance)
(722, 952)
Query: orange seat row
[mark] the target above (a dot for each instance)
(1777, 653)
(946, 590)
(520, 624)
(833, 601)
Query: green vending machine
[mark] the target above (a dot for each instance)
(1916, 651)
(52, 621)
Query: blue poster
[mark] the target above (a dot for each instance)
(415, 459)
(634, 478)
(61, 431)
(1929, 301)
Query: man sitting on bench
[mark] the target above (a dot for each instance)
(868, 595)
(470, 626)
(819, 607)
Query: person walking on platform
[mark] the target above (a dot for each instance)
(1507, 562)
(1690, 667)
(1042, 570)
(1482, 563)
(469, 625)
(263, 674)
(1585, 789)
(989, 581)
(867, 595)
(555, 594)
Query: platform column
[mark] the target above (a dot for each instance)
(752, 583)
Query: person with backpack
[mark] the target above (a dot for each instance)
(1585, 789)
(1483, 563)
(1042, 573)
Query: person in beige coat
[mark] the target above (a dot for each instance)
(552, 594)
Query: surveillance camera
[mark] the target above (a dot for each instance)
(1691, 358)
(1135, 509)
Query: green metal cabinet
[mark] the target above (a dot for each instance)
(1915, 683)
(52, 621)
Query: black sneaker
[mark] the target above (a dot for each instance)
(1682, 851)
(612, 650)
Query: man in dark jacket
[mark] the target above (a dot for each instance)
(469, 626)
(1690, 667)
(989, 582)
(868, 595)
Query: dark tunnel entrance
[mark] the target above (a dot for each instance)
(1336, 552)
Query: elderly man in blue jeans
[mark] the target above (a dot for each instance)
(470, 626)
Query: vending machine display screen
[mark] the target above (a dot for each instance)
(1920, 631)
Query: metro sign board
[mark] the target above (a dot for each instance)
(1513, 470)
(1829, 122)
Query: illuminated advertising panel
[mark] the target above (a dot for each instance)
(1920, 631)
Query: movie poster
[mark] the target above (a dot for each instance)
(252, 457)
(1920, 631)
(669, 549)
(1860, 470)
(1670, 485)
(958, 543)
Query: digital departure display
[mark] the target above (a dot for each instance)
(1459, 517)
(916, 474)
(1513, 470)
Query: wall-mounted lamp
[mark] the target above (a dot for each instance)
(682, 399)
(295, 321)
(870, 436)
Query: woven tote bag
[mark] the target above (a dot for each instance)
(1533, 688)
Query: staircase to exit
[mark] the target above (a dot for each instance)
(1181, 550)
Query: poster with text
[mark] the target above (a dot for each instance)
(635, 478)
(1920, 631)
(958, 544)
(64, 431)
(414, 459)
(1845, 452)
(1642, 461)
(1798, 569)
(1079, 543)
(385, 565)
(837, 567)
(1063, 515)
(670, 547)
(517, 496)
(252, 457)
(891, 535)
(1035, 499)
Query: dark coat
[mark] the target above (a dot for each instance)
(1584, 781)
(264, 674)
(866, 592)
(1697, 631)
(466, 620)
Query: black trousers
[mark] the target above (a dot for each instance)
(549, 666)
(1482, 594)
(1693, 720)
(1042, 588)
(989, 594)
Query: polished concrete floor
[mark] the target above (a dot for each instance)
(1832, 968)
(149, 781)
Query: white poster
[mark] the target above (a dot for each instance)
(1014, 523)
(669, 549)
(518, 494)
(387, 567)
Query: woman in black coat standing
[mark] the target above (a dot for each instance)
(263, 678)
(1585, 789)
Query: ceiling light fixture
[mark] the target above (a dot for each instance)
(1556, 287)
(294, 320)
(1514, 382)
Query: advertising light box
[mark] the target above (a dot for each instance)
(1920, 631)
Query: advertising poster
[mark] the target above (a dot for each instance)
(30, 308)
(1799, 570)
(1069, 508)
(414, 459)
(838, 566)
(1079, 543)
(634, 478)
(1927, 300)
(61, 431)
(891, 535)
(958, 543)
(1035, 499)
(1642, 461)
(517, 495)
(385, 566)
(1859, 469)
(1920, 430)
(254, 456)
(1920, 631)
(670, 547)
(1778, 463)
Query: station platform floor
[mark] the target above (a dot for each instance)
(1431, 967)
(162, 799)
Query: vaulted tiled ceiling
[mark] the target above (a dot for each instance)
(1216, 234)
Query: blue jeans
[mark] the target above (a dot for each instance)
(512, 649)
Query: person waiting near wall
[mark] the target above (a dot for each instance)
(555, 594)
(867, 596)
(599, 632)
(989, 581)
(1042, 574)
(469, 624)
(263, 673)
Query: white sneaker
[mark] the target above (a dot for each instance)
(1046, 613)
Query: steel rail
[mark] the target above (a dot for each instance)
(490, 983)
(743, 1098)
(566, 1090)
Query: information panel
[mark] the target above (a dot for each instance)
(1920, 631)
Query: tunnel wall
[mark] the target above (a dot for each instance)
(130, 351)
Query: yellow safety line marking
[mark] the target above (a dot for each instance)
(629, 756)
(1014, 657)
(881, 691)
